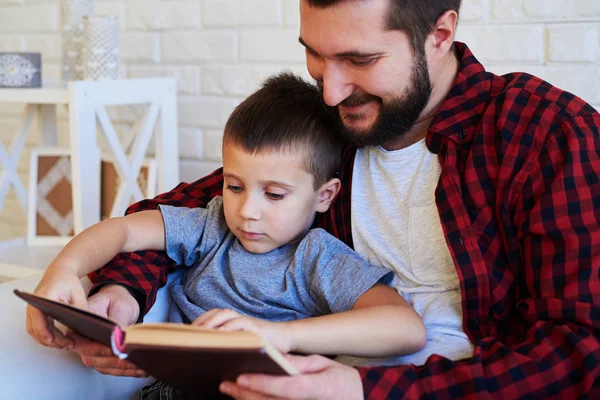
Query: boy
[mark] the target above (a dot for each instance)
(254, 263)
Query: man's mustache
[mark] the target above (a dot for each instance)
(355, 99)
(358, 99)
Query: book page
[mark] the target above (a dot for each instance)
(179, 335)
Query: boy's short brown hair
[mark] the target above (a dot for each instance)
(288, 114)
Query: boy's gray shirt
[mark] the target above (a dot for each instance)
(315, 276)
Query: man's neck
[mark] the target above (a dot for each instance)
(446, 69)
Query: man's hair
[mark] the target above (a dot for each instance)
(416, 18)
(288, 114)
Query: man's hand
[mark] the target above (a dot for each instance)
(229, 320)
(320, 378)
(116, 303)
(102, 359)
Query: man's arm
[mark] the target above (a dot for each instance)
(144, 272)
(553, 346)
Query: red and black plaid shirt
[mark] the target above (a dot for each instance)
(519, 202)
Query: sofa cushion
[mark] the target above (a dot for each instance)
(29, 370)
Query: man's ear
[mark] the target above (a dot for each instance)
(327, 194)
(442, 37)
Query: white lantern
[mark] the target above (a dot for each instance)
(72, 13)
(101, 48)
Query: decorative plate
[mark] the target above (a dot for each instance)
(20, 70)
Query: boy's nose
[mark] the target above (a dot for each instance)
(250, 209)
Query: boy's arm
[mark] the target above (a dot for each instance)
(381, 324)
(144, 272)
(98, 244)
(87, 252)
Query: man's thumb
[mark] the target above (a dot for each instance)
(122, 312)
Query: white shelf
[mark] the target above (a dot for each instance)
(22, 261)
(35, 95)
(86, 103)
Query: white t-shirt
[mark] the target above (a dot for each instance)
(395, 223)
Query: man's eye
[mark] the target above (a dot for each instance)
(234, 189)
(362, 62)
(311, 52)
(275, 196)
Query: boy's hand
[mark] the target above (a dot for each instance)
(113, 301)
(60, 285)
(229, 320)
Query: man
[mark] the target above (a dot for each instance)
(487, 186)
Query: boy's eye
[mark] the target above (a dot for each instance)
(234, 189)
(275, 196)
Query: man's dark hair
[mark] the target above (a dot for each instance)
(415, 17)
(288, 114)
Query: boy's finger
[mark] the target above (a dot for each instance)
(219, 318)
(60, 340)
(202, 318)
(37, 326)
(239, 324)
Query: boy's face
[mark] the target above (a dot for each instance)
(269, 198)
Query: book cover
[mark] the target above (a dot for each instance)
(191, 359)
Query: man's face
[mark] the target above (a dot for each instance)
(370, 74)
(268, 198)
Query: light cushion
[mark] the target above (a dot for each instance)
(29, 370)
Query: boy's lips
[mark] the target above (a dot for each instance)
(251, 235)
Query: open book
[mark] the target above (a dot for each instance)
(191, 359)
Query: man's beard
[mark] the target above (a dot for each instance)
(395, 118)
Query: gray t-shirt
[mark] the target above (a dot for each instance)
(316, 276)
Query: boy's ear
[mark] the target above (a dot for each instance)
(327, 193)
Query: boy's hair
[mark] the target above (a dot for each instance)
(288, 114)
(416, 18)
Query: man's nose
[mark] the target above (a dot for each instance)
(336, 83)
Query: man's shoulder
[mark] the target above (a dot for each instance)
(526, 90)
(201, 190)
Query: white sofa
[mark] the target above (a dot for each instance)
(31, 371)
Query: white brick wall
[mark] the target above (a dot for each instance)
(220, 50)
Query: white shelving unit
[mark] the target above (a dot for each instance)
(86, 103)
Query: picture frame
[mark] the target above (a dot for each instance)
(50, 199)
(110, 182)
(50, 203)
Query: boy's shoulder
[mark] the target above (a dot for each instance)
(323, 240)
(318, 234)
(215, 203)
